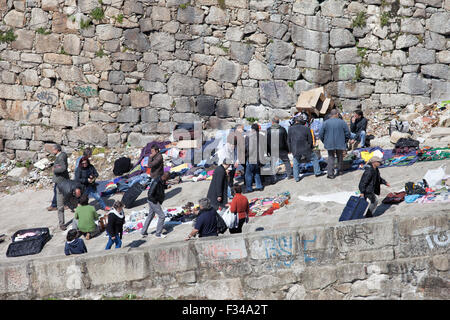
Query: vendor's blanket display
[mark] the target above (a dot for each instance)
(338, 197)
(435, 154)
(394, 197)
(28, 241)
(441, 194)
(265, 206)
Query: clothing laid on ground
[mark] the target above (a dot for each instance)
(75, 246)
(86, 215)
(206, 223)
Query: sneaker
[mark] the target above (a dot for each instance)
(63, 227)
(330, 177)
(320, 174)
(52, 208)
(162, 236)
(144, 235)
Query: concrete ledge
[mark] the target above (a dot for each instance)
(350, 257)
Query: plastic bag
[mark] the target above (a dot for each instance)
(230, 219)
(434, 177)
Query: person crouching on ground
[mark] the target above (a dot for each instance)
(85, 217)
(239, 206)
(114, 228)
(68, 194)
(155, 198)
(358, 128)
(74, 245)
(370, 182)
(206, 223)
(86, 175)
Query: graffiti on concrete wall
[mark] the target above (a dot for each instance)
(47, 97)
(168, 259)
(352, 235)
(220, 256)
(75, 104)
(305, 243)
(86, 91)
(440, 239)
(33, 110)
(280, 248)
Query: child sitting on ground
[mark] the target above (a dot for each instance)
(74, 245)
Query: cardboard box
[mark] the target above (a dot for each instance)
(315, 100)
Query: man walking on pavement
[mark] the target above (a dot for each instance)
(155, 198)
(334, 135)
(59, 173)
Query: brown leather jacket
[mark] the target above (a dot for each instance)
(156, 163)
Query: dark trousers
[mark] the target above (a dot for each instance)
(239, 227)
(54, 205)
(332, 155)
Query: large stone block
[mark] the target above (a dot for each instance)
(217, 16)
(130, 115)
(139, 99)
(440, 91)
(395, 100)
(272, 29)
(436, 71)
(39, 19)
(344, 72)
(348, 55)
(242, 52)
(137, 40)
(348, 89)
(438, 22)
(247, 95)
(14, 19)
(421, 56)
(88, 134)
(14, 278)
(333, 8)
(307, 7)
(279, 52)
(412, 25)
(107, 32)
(317, 23)
(406, 41)
(206, 105)
(161, 41)
(63, 118)
(277, 94)
(172, 258)
(190, 15)
(55, 58)
(224, 71)
(228, 108)
(309, 39)
(24, 40)
(307, 58)
(414, 84)
(70, 73)
(317, 76)
(259, 70)
(12, 92)
(16, 144)
(47, 134)
(435, 41)
(181, 85)
(341, 38)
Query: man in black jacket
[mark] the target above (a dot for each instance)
(68, 194)
(86, 175)
(300, 143)
(358, 127)
(218, 188)
(278, 148)
(59, 173)
(155, 198)
(370, 182)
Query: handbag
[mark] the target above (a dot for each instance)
(230, 219)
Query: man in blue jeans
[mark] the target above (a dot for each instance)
(253, 144)
(300, 142)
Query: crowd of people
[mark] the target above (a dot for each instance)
(246, 153)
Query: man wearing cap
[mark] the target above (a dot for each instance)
(370, 182)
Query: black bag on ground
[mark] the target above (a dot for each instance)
(407, 142)
(221, 225)
(413, 188)
(354, 209)
(30, 245)
(132, 194)
(121, 166)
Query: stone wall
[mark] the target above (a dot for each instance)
(384, 258)
(146, 65)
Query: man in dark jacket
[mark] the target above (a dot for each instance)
(334, 135)
(155, 162)
(68, 193)
(278, 148)
(370, 183)
(358, 127)
(254, 147)
(59, 173)
(206, 223)
(155, 198)
(86, 175)
(300, 143)
(218, 188)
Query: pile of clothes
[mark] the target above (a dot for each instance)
(266, 206)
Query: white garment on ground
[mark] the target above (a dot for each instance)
(339, 197)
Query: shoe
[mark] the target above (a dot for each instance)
(330, 177)
(144, 235)
(162, 236)
(88, 236)
(52, 208)
(107, 208)
(339, 173)
(63, 227)
(320, 174)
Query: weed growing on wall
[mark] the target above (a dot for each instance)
(8, 36)
(42, 30)
(97, 14)
(384, 18)
(360, 20)
(84, 24)
(222, 4)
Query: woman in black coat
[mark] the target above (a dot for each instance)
(114, 228)
(218, 189)
(370, 183)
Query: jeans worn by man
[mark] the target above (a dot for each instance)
(361, 138)
(332, 155)
(298, 165)
(252, 171)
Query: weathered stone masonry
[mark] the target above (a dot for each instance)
(391, 257)
(146, 65)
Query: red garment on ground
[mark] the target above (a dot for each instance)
(239, 204)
